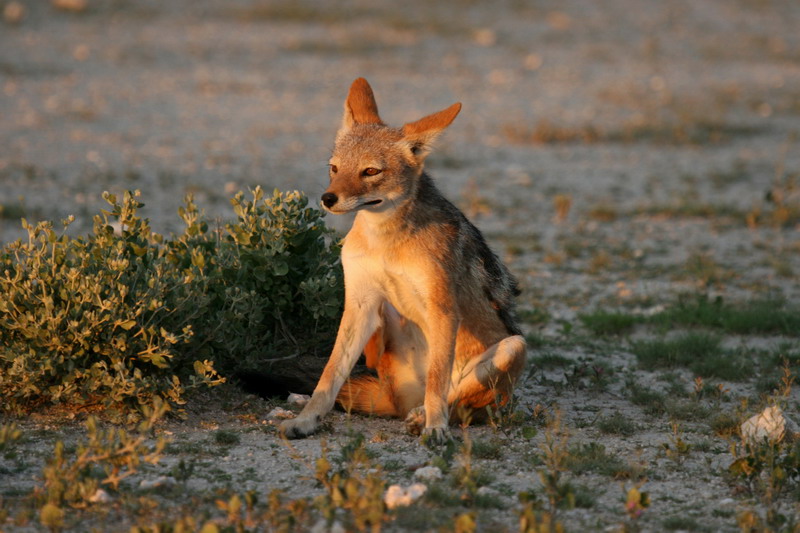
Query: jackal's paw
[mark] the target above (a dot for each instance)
(299, 427)
(436, 436)
(415, 420)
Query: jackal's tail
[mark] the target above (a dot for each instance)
(366, 395)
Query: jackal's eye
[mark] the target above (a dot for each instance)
(372, 171)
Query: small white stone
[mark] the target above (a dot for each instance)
(769, 424)
(416, 491)
(279, 413)
(100, 496)
(161, 481)
(322, 527)
(397, 496)
(428, 473)
(486, 491)
(298, 399)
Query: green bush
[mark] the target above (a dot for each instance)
(271, 283)
(122, 316)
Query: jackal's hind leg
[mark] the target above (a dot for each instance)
(488, 379)
(485, 380)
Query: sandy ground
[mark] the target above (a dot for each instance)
(612, 152)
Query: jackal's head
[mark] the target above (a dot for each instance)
(374, 166)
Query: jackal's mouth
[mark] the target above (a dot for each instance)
(351, 206)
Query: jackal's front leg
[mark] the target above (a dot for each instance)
(441, 334)
(358, 322)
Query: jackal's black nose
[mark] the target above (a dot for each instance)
(329, 199)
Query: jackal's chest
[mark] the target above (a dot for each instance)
(401, 283)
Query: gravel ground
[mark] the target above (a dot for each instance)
(616, 154)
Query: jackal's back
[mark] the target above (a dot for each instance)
(477, 270)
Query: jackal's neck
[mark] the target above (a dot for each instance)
(420, 208)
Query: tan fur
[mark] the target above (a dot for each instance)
(426, 301)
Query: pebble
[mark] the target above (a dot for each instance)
(161, 481)
(100, 496)
(397, 496)
(298, 399)
(428, 473)
(486, 491)
(279, 413)
(322, 527)
(769, 423)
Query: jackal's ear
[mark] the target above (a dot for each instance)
(423, 132)
(360, 106)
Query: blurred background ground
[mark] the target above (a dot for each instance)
(582, 122)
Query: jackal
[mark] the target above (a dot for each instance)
(426, 300)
